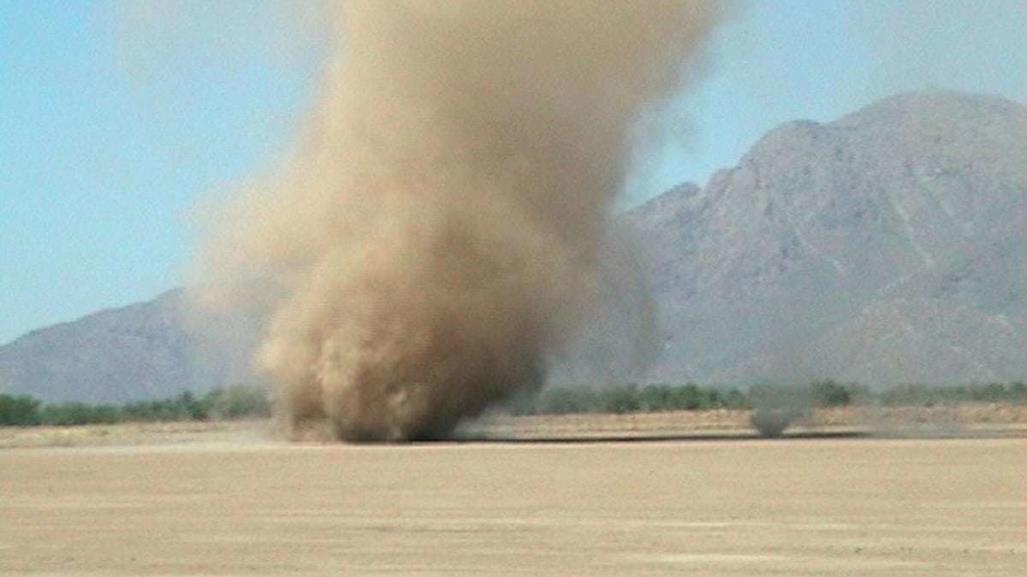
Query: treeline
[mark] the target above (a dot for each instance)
(927, 396)
(229, 403)
(239, 402)
(820, 394)
(629, 399)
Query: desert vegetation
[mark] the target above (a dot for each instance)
(228, 403)
(819, 394)
(773, 407)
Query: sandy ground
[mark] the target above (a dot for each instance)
(236, 503)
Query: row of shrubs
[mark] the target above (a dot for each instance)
(629, 399)
(235, 402)
(238, 402)
(925, 395)
(819, 394)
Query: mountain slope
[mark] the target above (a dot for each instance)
(886, 246)
(129, 353)
(142, 351)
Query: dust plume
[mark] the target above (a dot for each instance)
(434, 241)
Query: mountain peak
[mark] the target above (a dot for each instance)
(944, 105)
(828, 240)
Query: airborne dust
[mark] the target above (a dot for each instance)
(435, 240)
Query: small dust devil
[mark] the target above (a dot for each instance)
(434, 239)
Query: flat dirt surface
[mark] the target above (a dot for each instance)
(791, 507)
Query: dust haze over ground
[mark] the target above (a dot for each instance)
(434, 242)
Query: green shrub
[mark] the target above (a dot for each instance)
(1018, 392)
(655, 398)
(830, 394)
(991, 393)
(619, 400)
(691, 398)
(237, 402)
(922, 395)
(632, 399)
(735, 399)
(19, 411)
(73, 414)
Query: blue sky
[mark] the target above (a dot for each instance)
(111, 134)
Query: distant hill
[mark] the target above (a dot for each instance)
(142, 351)
(887, 246)
(130, 353)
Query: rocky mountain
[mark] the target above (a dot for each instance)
(143, 351)
(887, 246)
(129, 353)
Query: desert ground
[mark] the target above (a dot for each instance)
(231, 500)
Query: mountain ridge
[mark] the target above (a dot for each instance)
(885, 246)
(912, 196)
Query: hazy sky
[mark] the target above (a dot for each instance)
(113, 129)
